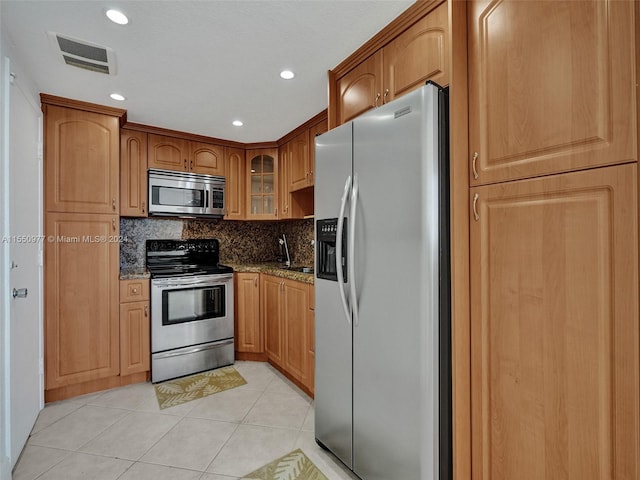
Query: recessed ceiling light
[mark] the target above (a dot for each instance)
(237, 123)
(117, 96)
(287, 74)
(116, 16)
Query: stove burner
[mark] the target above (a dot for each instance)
(181, 258)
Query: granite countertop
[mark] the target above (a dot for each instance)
(134, 273)
(275, 269)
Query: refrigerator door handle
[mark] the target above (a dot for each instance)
(351, 254)
(339, 246)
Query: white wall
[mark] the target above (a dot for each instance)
(8, 64)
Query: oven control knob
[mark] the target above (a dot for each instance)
(153, 246)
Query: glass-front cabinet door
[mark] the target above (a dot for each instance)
(262, 188)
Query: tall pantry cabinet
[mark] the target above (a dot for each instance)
(553, 143)
(81, 264)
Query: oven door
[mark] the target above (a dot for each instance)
(189, 311)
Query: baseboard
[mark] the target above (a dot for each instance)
(5, 468)
(77, 389)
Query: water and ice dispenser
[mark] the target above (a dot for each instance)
(326, 235)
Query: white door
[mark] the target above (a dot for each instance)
(25, 247)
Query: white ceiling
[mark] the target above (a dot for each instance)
(196, 66)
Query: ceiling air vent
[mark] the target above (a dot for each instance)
(83, 54)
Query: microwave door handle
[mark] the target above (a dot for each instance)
(206, 198)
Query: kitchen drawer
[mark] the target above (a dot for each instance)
(134, 290)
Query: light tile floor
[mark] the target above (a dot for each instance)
(122, 434)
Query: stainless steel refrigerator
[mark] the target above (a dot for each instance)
(383, 375)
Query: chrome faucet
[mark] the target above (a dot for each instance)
(283, 241)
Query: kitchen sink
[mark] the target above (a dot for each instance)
(299, 269)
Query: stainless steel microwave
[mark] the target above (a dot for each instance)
(186, 194)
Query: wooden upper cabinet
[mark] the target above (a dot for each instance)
(262, 184)
(133, 173)
(234, 168)
(554, 327)
(417, 55)
(552, 87)
(360, 89)
(298, 162)
(317, 129)
(284, 195)
(206, 158)
(82, 151)
(168, 153)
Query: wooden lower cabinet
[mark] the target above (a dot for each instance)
(248, 325)
(286, 316)
(309, 379)
(81, 298)
(135, 327)
(555, 356)
(271, 310)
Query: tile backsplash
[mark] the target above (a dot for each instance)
(240, 242)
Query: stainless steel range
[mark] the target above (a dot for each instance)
(191, 308)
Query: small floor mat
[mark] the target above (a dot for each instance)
(292, 466)
(181, 390)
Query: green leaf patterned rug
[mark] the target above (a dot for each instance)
(185, 389)
(293, 466)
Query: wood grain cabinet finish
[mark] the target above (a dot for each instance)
(235, 196)
(81, 161)
(360, 89)
(417, 55)
(135, 326)
(285, 310)
(249, 328)
(133, 173)
(554, 326)
(552, 87)
(271, 310)
(298, 169)
(81, 298)
(262, 177)
(206, 158)
(168, 153)
(314, 131)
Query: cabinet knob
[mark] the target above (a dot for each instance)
(185, 163)
(191, 165)
(386, 92)
(144, 205)
(146, 310)
(135, 290)
(476, 216)
(377, 98)
(113, 224)
(113, 204)
(255, 281)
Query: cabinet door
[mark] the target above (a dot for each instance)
(262, 184)
(235, 184)
(284, 196)
(295, 311)
(206, 158)
(81, 298)
(554, 327)
(551, 87)
(417, 55)
(168, 153)
(135, 340)
(298, 162)
(81, 161)
(317, 129)
(360, 89)
(247, 314)
(271, 298)
(133, 173)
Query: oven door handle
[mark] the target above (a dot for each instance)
(200, 348)
(200, 283)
